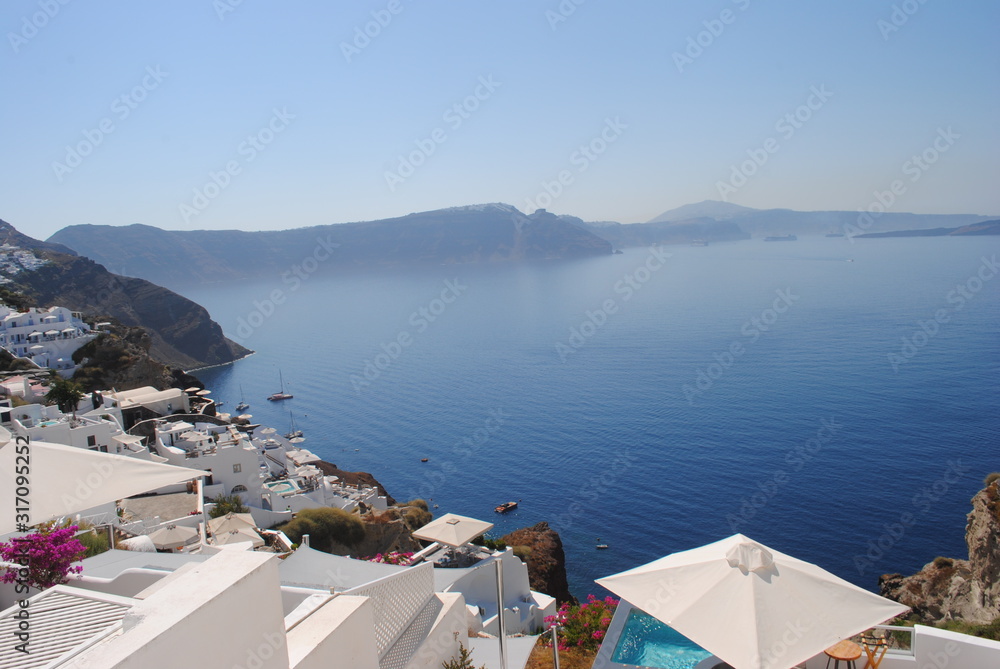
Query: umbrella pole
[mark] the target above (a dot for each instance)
(555, 647)
(500, 621)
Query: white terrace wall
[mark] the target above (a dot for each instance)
(336, 636)
(193, 621)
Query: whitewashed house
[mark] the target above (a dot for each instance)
(47, 337)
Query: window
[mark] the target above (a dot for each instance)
(239, 489)
(91, 440)
(237, 469)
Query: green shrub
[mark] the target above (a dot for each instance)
(990, 478)
(464, 660)
(415, 517)
(488, 542)
(228, 504)
(325, 526)
(418, 503)
(96, 542)
(943, 562)
(523, 552)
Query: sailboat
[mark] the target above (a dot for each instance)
(242, 406)
(281, 394)
(294, 431)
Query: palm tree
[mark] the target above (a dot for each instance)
(65, 394)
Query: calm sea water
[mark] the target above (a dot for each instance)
(673, 418)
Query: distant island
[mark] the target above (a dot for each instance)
(473, 234)
(985, 228)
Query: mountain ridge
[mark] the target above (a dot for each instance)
(182, 334)
(490, 233)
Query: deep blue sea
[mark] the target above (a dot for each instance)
(736, 387)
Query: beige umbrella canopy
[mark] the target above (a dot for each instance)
(231, 521)
(238, 536)
(453, 530)
(173, 536)
(750, 605)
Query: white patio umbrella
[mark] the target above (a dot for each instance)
(173, 536)
(238, 536)
(750, 605)
(453, 530)
(64, 480)
(231, 521)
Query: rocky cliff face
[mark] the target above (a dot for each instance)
(546, 562)
(120, 359)
(948, 589)
(181, 332)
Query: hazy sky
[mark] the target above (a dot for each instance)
(119, 113)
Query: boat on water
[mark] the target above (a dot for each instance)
(699, 242)
(281, 394)
(599, 545)
(293, 432)
(505, 507)
(242, 406)
(781, 238)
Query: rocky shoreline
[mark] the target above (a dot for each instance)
(953, 589)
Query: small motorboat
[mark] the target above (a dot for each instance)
(423, 459)
(505, 507)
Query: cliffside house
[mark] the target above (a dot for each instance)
(47, 337)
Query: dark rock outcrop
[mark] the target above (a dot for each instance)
(949, 589)
(546, 560)
(354, 478)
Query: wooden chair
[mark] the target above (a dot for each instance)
(875, 648)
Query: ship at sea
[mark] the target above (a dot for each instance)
(784, 238)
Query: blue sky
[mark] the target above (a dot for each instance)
(313, 132)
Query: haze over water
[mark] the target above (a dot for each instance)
(607, 443)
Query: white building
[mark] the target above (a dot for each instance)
(231, 610)
(48, 337)
(272, 476)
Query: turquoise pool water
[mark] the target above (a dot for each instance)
(281, 486)
(647, 642)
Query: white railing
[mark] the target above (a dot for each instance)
(397, 600)
(900, 639)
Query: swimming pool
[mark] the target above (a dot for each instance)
(647, 642)
(282, 486)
